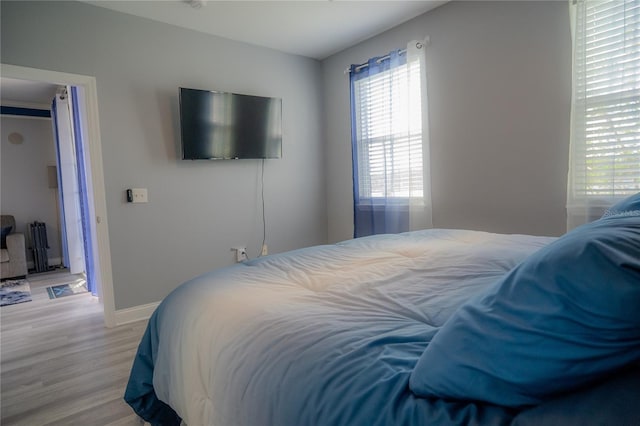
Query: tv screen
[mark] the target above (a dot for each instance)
(220, 125)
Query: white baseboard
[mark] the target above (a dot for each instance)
(52, 261)
(55, 261)
(136, 313)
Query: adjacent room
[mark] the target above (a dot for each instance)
(386, 212)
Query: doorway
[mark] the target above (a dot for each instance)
(92, 145)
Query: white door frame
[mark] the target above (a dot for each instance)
(102, 258)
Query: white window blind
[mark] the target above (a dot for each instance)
(605, 154)
(388, 108)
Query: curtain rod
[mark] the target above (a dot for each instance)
(379, 60)
(419, 45)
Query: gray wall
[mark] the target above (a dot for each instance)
(25, 181)
(499, 82)
(499, 90)
(196, 210)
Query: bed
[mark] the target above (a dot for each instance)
(432, 327)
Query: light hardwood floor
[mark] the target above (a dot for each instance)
(59, 364)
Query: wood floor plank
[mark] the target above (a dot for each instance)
(59, 364)
(109, 412)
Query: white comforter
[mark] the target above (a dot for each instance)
(323, 335)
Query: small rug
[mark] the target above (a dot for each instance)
(69, 289)
(14, 291)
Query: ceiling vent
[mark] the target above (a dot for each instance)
(196, 4)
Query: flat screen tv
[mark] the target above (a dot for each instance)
(220, 125)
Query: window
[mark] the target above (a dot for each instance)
(389, 133)
(390, 143)
(605, 140)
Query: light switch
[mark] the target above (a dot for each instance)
(139, 195)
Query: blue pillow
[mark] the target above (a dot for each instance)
(563, 318)
(3, 236)
(630, 205)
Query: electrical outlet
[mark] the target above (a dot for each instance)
(139, 195)
(241, 254)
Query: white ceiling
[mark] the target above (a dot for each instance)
(313, 28)
(26, 93)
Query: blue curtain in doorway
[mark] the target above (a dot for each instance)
(63, 227)
(84, 191)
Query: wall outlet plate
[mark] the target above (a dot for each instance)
(139, 195)
(241, 254)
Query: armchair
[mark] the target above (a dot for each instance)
(13, 256)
